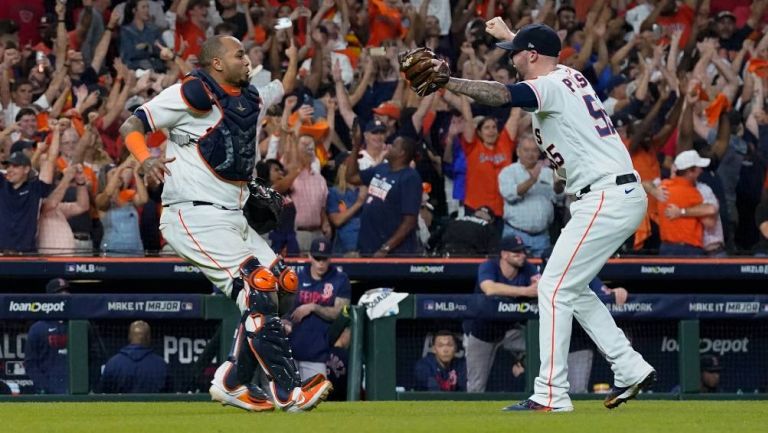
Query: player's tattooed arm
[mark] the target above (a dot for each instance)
(132, 124)
(484, 92)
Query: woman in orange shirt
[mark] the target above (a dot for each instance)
(488, 150)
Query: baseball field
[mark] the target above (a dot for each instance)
(398, 417)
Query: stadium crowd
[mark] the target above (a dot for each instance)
(683, 84)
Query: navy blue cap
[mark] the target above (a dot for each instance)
(375, 125)
(710, 363)
(512, 243)
(18, 158)
(320, 248)
(57, 285)
(616, 81)
(21, 145)
(539, 37)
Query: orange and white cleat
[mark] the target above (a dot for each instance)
(314, 391)
(243, 397)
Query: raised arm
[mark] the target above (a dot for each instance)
(289, 79)
(62, 38)
(57, 195)
(353, 167)
(342, 97)
(100, 53)
(485, 92)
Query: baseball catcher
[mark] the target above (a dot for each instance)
(424, 70)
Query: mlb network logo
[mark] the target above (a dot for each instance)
(429, 305)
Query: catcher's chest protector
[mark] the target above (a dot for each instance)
(229, 147)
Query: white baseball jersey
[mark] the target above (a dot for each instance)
(573, 129)
(191, 179)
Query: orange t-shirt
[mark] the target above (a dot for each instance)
(385, 23)
(191, 33)
(681, 230)
(483, 167)
(647, 165)
(683, 18)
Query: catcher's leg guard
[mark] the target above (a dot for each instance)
(286, 277)
(230, 384)
(268, 343)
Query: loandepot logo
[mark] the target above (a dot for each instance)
(37, 307)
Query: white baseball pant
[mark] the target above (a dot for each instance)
(600, 222)
(215, 240)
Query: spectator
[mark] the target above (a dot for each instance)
(469, 235)
(283, 236)
(136, 368)
(323, 292)
(156, 12)
(713, 241)
(374, 150)
(684, 215)
(230, 14)
(389, 114)
(309, 194)
(55, 236)
(20, 197)
(530, 189)
(121, 202)
(710, 373)
(46, 360)
(510, 276)
(388, 222)
(344, 206)
(192, 27)
(488, 151)
(440, 370)
(139, 38)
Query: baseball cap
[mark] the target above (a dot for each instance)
(710, 363)
(690, 158)
(375, 126)
(539, 37)
(725, 14)
(320, 249)
(621, 119)
(18, 158)
(616, 81)
(388, 109)
(512, 243)
(57, 285)
(20, 145)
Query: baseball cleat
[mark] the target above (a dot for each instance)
(242, 398)
(618, 396)
(314, 391)
(531, 406)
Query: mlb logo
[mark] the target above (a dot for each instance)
(70, 268)
(186, 306)
(429, 305)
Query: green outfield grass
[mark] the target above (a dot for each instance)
(397, 417)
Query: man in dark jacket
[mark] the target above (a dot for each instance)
(136, 369)
(46, 359)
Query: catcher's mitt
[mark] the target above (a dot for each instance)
(264, 206)
(424, 75)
